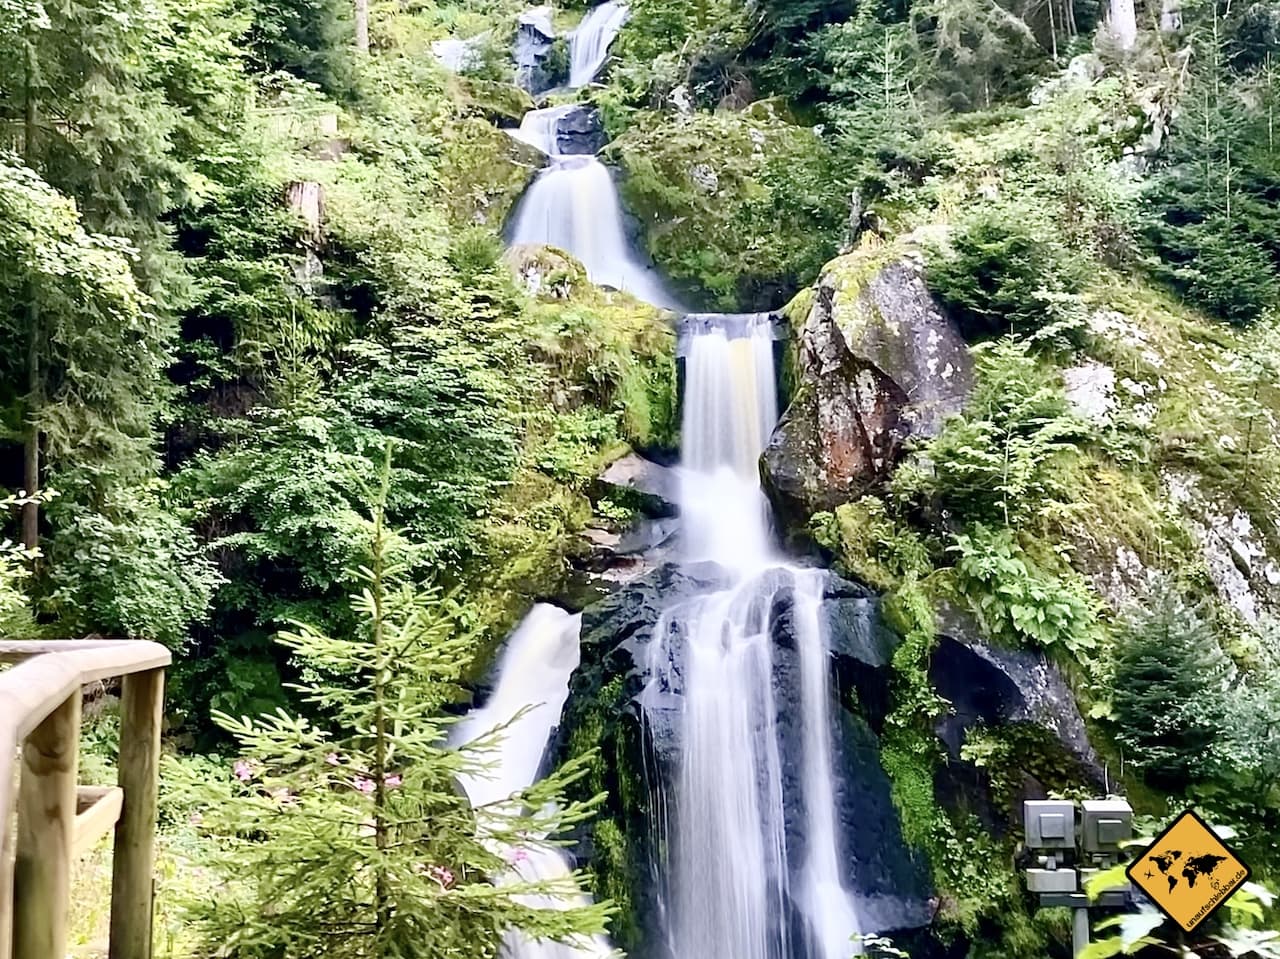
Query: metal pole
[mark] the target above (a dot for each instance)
(1079, 931)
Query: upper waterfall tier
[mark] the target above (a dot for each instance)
(589, 44)
(574, 205)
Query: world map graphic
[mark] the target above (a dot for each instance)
(1192, 868)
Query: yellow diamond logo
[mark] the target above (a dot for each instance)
(1188, 871)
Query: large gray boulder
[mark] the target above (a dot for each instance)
(534, 46)
(1022, 697)
(875, 363)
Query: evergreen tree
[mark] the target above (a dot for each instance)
(350, 832)
(1170, 695)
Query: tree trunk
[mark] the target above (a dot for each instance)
(1124, 23)
(1171, 16)
(35, 399)
(362, 26)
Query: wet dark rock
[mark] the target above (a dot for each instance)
(876, 364)
(579, 131)
(535, 43)
(646, 485)
(1023, 698)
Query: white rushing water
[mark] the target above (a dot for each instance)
(533, 675)
(573, 204)
(589, 43)
(731, 879)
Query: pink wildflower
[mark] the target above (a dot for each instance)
(363, 785)
(443, 877)
(392, 780)
(332, 759)
(243, 771)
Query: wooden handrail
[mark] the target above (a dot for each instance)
(40, 712)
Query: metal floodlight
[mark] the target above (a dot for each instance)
(1049, 824)
(1107, 823)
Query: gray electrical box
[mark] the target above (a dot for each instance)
(1106, 824)
(1050, 824)
(1052, 880)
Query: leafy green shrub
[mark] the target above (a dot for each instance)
(1019, 602)
(999, 461)
(1219, 267)
(1003, 274)
(870, 544)
(132, 568)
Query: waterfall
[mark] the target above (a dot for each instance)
(573, 203)
(732, 882)
(589, 44)
(532, 684)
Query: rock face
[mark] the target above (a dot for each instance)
(876, 363)
(580, 131)
(1024, 696)
(653, 487)
(640, 743)
(534, 46)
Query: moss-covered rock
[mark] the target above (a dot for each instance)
(875, 363)
(502, 104)
(484, 171)
(739, 209)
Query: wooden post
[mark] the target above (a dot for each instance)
(8, 790)
(141, 711)
(46, 825)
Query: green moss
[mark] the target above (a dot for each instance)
(870, 545)
(483, 171)
(737, 209)
(500, 103)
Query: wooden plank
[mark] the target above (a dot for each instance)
(97, 811)
(133, 872)
(8, 790)
(47, 676)
(46, 825)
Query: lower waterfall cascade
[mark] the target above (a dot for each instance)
(532, 684)
(732, 880)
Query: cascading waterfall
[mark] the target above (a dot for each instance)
(573, 204)
(731, 881)
(589, 44)
(533, 675)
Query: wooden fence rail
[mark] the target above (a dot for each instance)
(46, 819)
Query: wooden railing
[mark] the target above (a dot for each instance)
(57, 820)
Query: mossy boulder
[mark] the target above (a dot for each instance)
(502, 104)
(738, 209)
(484, 171)
(874, 362)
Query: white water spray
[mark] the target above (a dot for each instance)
(533, 676)
(589, 43)
(731, 882)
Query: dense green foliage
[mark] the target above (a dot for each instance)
(357, 817)
(238, 258)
